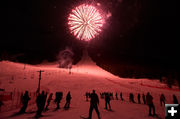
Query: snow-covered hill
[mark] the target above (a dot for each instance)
(85, 76)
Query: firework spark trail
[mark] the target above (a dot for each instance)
(85, 22)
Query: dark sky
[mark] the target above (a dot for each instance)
(137, 28)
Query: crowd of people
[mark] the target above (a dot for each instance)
(42, 99)
(148, 99)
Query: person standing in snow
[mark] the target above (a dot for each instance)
(94, 102)
(149, 100)
(139, 98)
(162, 99)
(131, 98)
(116, 96)
(175, 101)
(25, 99)
(44, 97)
(40, 101)
(68, 100)
(48, 101)
(58, 99)
(144, 99)
(107, 100)
(121, 96)
(111, 96)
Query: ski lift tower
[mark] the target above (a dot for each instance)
(38, 89)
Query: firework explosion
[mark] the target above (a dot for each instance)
(85, 22)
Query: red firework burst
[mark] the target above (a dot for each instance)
(85, 22)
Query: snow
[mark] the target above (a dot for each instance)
(85, 76)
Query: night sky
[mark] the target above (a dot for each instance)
(137, 29)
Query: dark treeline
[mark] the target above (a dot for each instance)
(132, 67)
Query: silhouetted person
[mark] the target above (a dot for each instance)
(149, 100)
(111, 96)
(144, 99)
(68, 100)
(48, 101)
(44, 97)
(107, 100)
(175, 101)
(40, 101)
(121, 96)
(94, 102)
(139, 98)
(25, 99)
(162, 99)
(116, 96)
(58, 99)
(131, 97)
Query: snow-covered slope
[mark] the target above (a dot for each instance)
(86, 65)
(85, 76)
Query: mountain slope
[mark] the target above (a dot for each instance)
(85, 76)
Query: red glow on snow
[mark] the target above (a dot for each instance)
(85, 22)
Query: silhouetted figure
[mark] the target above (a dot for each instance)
(25, 99)
(58, 99)
(149, 100)
(111, 96)
(162, 99)
(40, 101)
(68, 100)
(121, 96)
(116, 96)
(94, 104)
(131, 98)
(144, 99)
(175, 101)
(139, 98)
(44, 97)
(48, 101)
(107, 100)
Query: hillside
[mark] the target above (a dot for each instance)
(85, 76)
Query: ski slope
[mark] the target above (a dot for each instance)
(85, 76)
